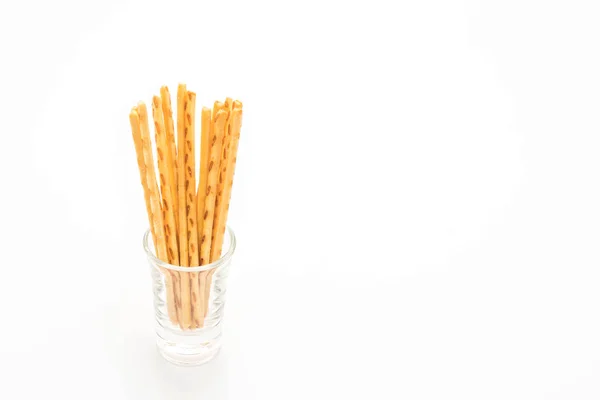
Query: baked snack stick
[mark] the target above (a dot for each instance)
(222, 211)
(217, 127)
(219, 226)
(182, 220)
(198, 279)
(185, 317)
(191, 205)
(216, 107)
(205, 132)
(165, 173)
(216, 142)
(215, 148)
(134, 120)
(165, 170)
(165, 97)
(190, 179)
(157, 220)
(220, 183)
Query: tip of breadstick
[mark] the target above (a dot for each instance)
(221, 114)
(191, 95)
(181, 89)
(156, 101)
(133, 115)
(237, 104)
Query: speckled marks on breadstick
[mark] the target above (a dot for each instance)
(157, 220)
(165, 98)
(216, 143)
(185, 316)
(166, 183)
(226, 178)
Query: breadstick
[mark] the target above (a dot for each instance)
(165, 97)
(161, 248)
(191, 205)
(216, 108)
(166, 184)
(165, 169)
(190, 179)
(205, 240)
(205, 133)
(134, 120)
(198, 279)
(222, 173)
(229, 171)
(160, 244)
(217, 245)
(185, 318)
(183, 246)
(216, 143)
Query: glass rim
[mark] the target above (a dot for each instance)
(215, 264)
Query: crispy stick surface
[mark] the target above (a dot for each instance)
(219, 225)
(134, 120)
(190, 179)
(222, 173)
(199, 279)
(216, 143)
(165, 97)
(157, 220)
(165, 173)
(228, 171)
(185, 318)
(183, 245)
(205, 132)
(191, 206)
(161, 248)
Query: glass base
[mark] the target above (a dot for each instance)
(188, 348)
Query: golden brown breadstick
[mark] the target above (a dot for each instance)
(216, 108)
(191, 205)
(222, 174)
(217, 245)
(205, 132)
(161, 248)
(182, 225)
(216, 143)
(160, 244)
(185, 317)
(190, 179)
(166, 184)
(198, 279)
(229, 171)
(165, 97)
(134, 120)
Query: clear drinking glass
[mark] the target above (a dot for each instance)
(189, 304)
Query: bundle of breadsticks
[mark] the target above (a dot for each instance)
(187, 213)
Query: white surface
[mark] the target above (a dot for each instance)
(416, 200)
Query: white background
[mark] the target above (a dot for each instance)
(416, 198)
